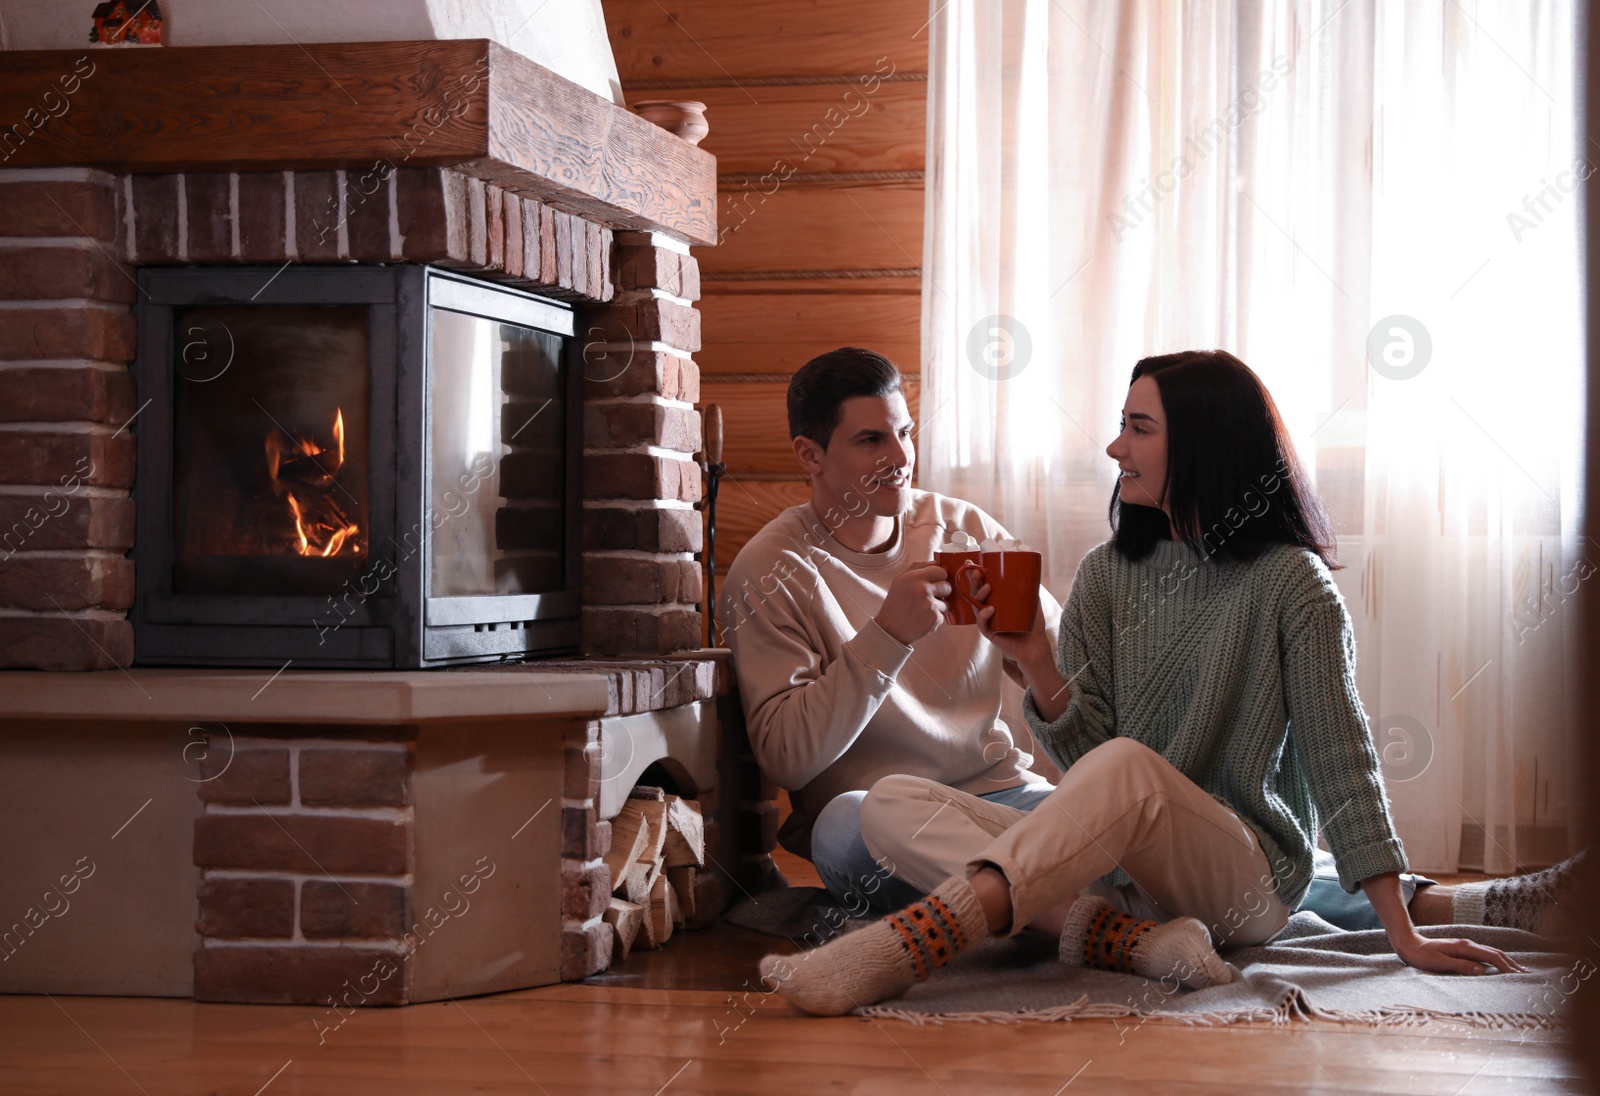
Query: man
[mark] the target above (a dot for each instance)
(834, 615)
(833, 612)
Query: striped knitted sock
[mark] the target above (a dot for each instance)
(884, 959)
(1096, 935)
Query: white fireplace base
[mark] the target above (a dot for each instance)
(100, 774)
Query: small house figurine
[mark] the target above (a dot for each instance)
(126, 23)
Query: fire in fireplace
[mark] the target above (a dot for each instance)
(371, 467)
(269, 478)
(321, 526)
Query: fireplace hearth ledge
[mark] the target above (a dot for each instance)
(300, 696)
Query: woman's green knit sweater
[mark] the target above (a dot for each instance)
(1242, 675)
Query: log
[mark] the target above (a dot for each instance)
(664, 913)
(655, 812)
(647, 937)
(788, 131)
(685, 844)
(711, 39)
(629, 836)
(664, 841)
(626, 919)
(682, 882)
(709, 901)
(637, 834)
(819, 229)
(640, 876)
(777, 333)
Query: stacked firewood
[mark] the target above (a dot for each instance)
(657, 861)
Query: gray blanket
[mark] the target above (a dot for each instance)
(1310, 970)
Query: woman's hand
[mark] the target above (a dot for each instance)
(1023, 648)
(1033, 656)
(1455, 957)
(1416, 950)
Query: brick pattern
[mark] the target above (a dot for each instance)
(353, 778)
(304, 847)
(305, 839)
(746, 810)
(756, 837)
(67, 334)
(644, 685)
(639, 686)
(330, 910)
(337, 977)
(246, 908)
(642, 585)
(425, 215)
(66, 337)
(585, 880)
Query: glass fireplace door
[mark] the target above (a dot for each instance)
(365, 466)
(271, 478)
(501, 482)
(498, 477)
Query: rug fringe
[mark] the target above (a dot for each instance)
(1411, 1016)
(1080, 1009)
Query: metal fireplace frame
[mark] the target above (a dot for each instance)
(399, 625)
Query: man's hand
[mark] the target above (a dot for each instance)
(915, 604)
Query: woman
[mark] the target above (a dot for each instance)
(1204, 712)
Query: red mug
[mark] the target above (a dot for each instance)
(1013, 579)
(960, 610)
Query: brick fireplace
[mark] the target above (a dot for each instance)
(67, 337)
(309, 826)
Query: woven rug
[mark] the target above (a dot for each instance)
(1311, 970)
(803, 914)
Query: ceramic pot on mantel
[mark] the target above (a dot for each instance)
(680, 117)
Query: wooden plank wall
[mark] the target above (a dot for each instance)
(818, 114)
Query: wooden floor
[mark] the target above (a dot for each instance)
(675, 1021)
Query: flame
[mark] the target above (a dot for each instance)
(321, 527)
(299, 525)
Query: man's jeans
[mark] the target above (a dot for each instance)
(863, 886)
(848, 870)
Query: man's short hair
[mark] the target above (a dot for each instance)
(818, 390)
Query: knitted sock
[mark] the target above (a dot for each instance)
(1544, 902)
(1096, 935)
(884, 959)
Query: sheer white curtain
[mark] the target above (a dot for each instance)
(1296, 183)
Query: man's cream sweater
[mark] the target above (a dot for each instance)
(832, 701)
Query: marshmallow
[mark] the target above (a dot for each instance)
(960, 541)
(1004, 544)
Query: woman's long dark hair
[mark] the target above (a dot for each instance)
(1234, 484)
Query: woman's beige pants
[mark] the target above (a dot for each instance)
(1122, 805)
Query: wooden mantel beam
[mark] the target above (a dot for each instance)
(470, 104)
